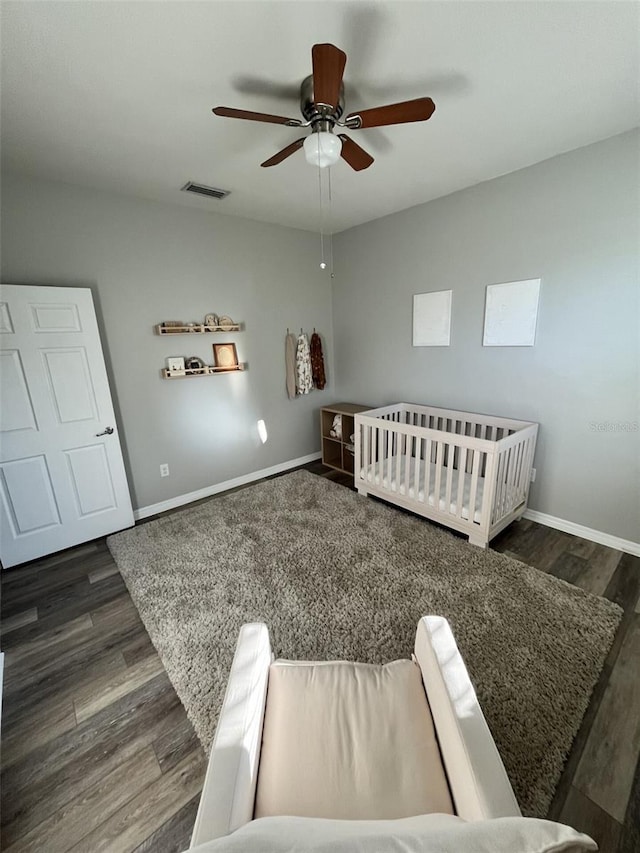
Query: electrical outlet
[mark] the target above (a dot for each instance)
(164, 469)
(533, 475)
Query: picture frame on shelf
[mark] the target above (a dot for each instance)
(225, 356)
(176, 364)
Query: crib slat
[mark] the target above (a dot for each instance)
(462, 470)
(515, 487)
(450, 459)
(523, 474)
(389, 456)
(507, 474)
(521, 464)
(438, 481)
(429, 451)
(474, 484)
(364, 462)
(395, 452)
(506, 506)
(407, 465)
(416, 472)
(514, 476)
(524, 470)
(498, 487)
(380, 461)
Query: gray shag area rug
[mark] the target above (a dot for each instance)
(339, 576)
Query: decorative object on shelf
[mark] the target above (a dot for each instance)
(511, 314)
(194, 363)
(226, 323)
(290, 364)
(336, 428)
(175, 364)
(212, 320)
(170, 327)
(304, 380)
(317, 362)
(225, 356)
(193, 326)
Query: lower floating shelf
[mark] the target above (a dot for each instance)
(200, 371)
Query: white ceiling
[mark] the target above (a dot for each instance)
(118, 95)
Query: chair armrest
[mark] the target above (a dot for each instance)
(477, 778)
(229, 791)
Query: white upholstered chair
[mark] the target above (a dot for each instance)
(354, 743)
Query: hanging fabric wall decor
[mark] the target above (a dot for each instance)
(290, 363)
(304, 364)
(304, 380)
(317, 362)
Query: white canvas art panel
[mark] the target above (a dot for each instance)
(511, 314)
(432, 319)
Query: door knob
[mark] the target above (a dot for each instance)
(106, 431)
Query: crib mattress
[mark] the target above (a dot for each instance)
(396, 483)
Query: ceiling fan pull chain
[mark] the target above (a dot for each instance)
(330, 226)
(323, 264)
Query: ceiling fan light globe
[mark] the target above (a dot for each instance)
(322, 149)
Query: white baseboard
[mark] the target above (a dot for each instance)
(584, 532)
(180, 500)
(589, 533)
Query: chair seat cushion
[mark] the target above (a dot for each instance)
(349, 741)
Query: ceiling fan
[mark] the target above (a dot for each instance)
(322, 107)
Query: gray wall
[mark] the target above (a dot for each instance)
(573, 221)
(147, 262)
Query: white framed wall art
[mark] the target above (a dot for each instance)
(511, 314)
(432, 319)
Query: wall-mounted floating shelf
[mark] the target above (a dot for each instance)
(208, 370)
(197, 329)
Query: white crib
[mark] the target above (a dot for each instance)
(469, 472)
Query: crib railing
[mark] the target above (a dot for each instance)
(513, 474)
(470, 464)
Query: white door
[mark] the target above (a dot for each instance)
(62, 479)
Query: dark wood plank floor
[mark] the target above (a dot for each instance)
(98, 754)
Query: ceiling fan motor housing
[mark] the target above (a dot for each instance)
(323, 115)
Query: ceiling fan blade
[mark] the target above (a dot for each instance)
(286, 152)
(328, 68)
(230, 112)
(354, 155)
(418, 110)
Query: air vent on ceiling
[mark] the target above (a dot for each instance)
(201, 189)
